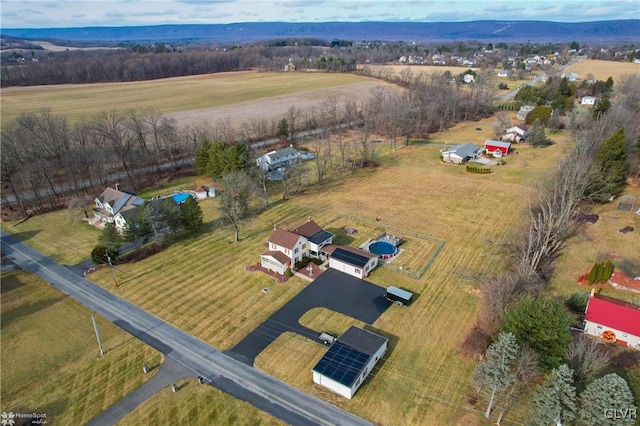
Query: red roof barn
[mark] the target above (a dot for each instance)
(497, 147)
(613, 320)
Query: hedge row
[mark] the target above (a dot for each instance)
(600, 273)
(479, 170)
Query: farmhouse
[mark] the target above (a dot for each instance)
(588, 100)
(514, 134)
(278, 158)
(497, 148)
(115, 206)
(613, 320)
(462, 153)
(349, 361)
(353, 261)
(286, 248)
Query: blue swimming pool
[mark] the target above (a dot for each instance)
(181, 197)
(383, 249)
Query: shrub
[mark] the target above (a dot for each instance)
(288, 272)
(99, 255)
(479, 170)
(577, 302)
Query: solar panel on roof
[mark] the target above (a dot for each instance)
(349, 257)
(121, 202)
(342, 364)
(320, 237)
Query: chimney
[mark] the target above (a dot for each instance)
(275, 226)
(117, 185)
(309, 220)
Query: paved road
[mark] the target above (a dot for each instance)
(260, 389)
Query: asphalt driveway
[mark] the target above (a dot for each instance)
(333, 290)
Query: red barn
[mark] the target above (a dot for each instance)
(613, 320)
(497, 148)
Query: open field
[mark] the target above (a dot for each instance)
(195, 404)
(602, 70)
(50, 358)
(200, 285)
(422, 69)
(203, 98)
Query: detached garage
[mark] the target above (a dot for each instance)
(349, 361)
(353, 261)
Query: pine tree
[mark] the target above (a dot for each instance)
(191, 214)
(110, 237)
(494, 374)
(537, 136)
(611, 168)
(555, 401)
(604, 401)
(202, 157)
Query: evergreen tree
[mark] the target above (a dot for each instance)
(134, 229)
(172, 214)
(604, 401)
(202, 157)
(537, 136)
(110, 237)
(493, 374)
(191, 214)
(224, 158)
(554, 402)
(610, 164)
(283, 129)
(601, 106)
(541, 324)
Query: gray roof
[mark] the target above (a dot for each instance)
(465, 150)
(281, 153)
(497, 143)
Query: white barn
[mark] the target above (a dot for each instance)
(349, 361)
(353, 261)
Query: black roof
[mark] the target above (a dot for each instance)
(362, 340)
(349, 354)
(320, 237)
(349, 257)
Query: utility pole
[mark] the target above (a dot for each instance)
(95, 327)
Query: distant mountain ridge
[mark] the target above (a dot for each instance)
(489, 31)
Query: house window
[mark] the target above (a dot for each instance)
(287, 251)
(358, 271)
(273, 246)
(296, 250)
(357, 382)
(304, 246)
(599, 327)
(364, 372)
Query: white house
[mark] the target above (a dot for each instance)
(349, 360)
(279, 158)
(570, 76)
(115, 206)
(514, 134)
(353, 261)
(462, 153)
(504, 73)
(468, 78)
(293, 248)
(286, 248)
(613, 320)
(588, 100)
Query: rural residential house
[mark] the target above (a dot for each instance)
(349, 360)
(570, 76)
(613, 320)
(353, 261)
(504, 73)
(286, 248)
(588, 100)
(115, 206)
(514, 134)
(497, 148)
(462, 153)
(279, 158)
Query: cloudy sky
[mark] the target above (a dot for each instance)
(73, 13)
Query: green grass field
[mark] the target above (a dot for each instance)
(166, 95)
(50, 358)
(200, 284)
